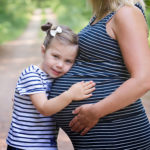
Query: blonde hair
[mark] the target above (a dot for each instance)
(103, 7)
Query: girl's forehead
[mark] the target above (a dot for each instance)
(62, 49)
(57, 44)
(62, 46)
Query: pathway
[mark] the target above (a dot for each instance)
(14, 57)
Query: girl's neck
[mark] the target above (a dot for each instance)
(40, 66)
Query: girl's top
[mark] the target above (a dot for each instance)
(100, 60)
(29, 129)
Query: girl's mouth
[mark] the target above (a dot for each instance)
(56, 72)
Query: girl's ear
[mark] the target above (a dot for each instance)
(43, 50)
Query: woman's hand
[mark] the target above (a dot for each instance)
(86, 118)
(81, 90)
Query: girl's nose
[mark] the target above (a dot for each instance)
(60, 64)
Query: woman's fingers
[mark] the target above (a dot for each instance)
(85, 119)
(73, 121)
(77, 110)
(80, 128)
(85, 131)
(75, 125)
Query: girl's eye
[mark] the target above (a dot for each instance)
(55, 56)
(69, 62)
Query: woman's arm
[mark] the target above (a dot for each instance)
(78, 91)
(131, 32)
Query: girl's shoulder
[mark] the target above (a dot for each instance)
(32, 72)
(32, 69)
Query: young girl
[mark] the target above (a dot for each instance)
(30, 130)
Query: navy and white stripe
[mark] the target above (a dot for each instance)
(29, 129)
(100, 60)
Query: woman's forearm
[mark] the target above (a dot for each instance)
(126, 94)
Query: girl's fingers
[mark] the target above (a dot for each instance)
(88, 91)
(88, 85)
(87, 96)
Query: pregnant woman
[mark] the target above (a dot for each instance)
(114, 53)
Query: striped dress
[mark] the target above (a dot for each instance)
(100, 60)
(29, 129)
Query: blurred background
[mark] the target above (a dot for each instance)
(20, 42)
(15, 14)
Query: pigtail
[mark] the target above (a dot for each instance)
(46, 26)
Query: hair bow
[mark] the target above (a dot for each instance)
(57, 30)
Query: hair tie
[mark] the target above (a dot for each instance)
(54, 32)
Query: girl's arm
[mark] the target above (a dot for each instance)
(131, 32)
(78, 91)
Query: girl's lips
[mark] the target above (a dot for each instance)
(55, 72)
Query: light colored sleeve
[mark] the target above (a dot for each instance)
(30, 83)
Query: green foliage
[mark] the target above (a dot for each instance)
(148, 17)
(75, 14)
(148, 11)
(147, 2)
(43, 21)
(14, 16)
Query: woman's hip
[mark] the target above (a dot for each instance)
(126, 133)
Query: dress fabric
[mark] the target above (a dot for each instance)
(100, 60)
(29, 129)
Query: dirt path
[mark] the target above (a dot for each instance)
(14, 57)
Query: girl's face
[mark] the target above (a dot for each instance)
(58, 58)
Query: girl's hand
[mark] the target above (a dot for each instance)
(81, 90)
(85, 118)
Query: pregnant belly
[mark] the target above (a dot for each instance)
(104, 87)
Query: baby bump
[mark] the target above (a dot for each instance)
(104, 87)
(109, 124)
